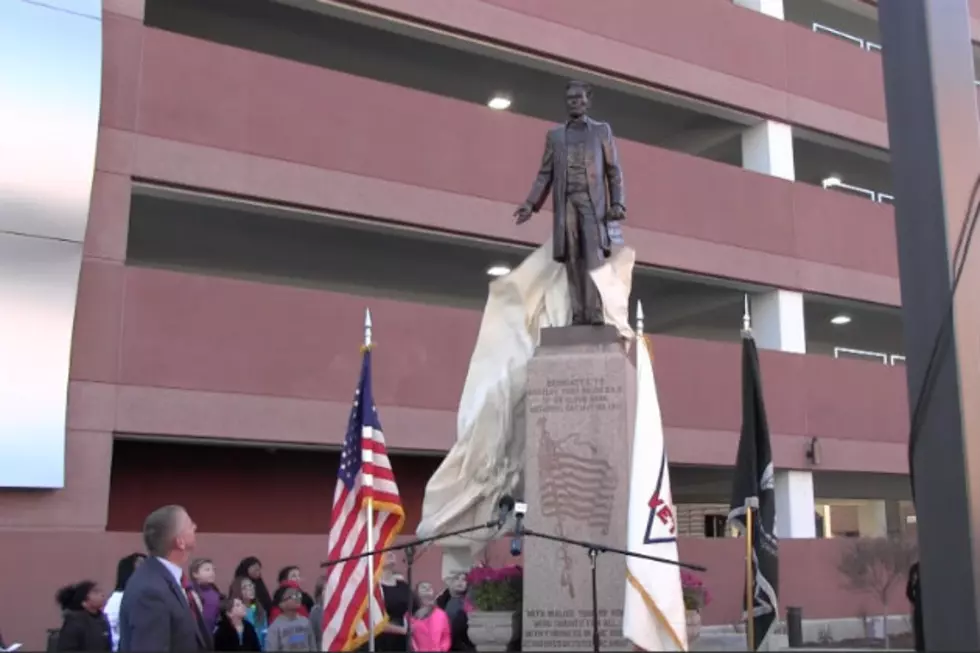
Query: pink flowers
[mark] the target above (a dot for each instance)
(690, 580)
(484, 574)
(696, 595)
(496, 589)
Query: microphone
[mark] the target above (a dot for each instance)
(520, 509)
(504, 507)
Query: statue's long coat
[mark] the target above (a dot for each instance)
(604, 174)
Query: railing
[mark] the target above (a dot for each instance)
(874, 196)
(886, 359)
(864, 44)
(858, 353)
(869, 46)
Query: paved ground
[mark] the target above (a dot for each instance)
(736, 642)
(903, 642)
(720, 642)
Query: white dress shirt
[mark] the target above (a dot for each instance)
(111, 612)
(175, 570)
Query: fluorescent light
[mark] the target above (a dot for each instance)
(832, 180)
(840, 320)
(499, 102)
(498, 270)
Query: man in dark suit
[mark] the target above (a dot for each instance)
(156, 613)
(581, 168)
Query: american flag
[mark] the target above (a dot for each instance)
(365, 472)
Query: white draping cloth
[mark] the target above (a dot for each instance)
(487, 458)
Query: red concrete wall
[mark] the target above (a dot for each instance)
(730, 40)
(807, 568)
(251, 489)
(246, 502)
(159, 96)
(230, 490)
(207, 94)
(137, 369)
(60, 557)
(808, 578)
(705, 48)
(175, 350)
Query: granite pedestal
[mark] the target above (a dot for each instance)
(579, 423)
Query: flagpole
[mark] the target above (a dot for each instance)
(639, 336)
(367, 461)
(750, 506)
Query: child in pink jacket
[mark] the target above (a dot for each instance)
(430, 625)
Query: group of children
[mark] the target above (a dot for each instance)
(248, 618)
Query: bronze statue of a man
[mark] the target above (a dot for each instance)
(581, 168)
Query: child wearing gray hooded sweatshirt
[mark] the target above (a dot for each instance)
(290, 631)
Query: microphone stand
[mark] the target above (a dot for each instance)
(594, 550)
(410, 549)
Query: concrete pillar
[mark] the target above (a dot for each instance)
(777, 321)
(872, 519)
(777, 316)
(828, 527)
(894, 519)
(772, 8)
(795, 509)
(767, 148)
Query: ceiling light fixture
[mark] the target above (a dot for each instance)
(832, 180)
(499, 102)
(498, 270)
(840, 320)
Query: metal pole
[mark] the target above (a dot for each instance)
(409, 563)
(935, 152)
(367, 460)
(593, 555)
(369, 561)
(749, 582)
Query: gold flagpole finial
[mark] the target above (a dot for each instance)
(367, 328)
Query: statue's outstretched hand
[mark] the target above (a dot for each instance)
(616, 213)
(523, 213)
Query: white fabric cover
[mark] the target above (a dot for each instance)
(487, 459)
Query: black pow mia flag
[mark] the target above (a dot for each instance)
(753, 488)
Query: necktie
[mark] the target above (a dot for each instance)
(191, 597)
(195, 607)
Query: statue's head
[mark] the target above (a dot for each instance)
(578, 96)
